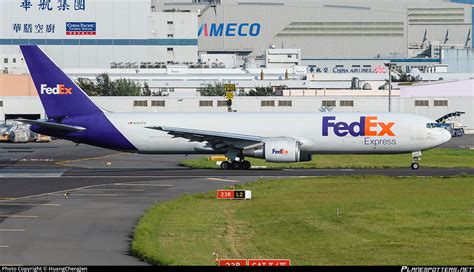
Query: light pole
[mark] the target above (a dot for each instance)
(390, 66)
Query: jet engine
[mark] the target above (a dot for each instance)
(279, 150)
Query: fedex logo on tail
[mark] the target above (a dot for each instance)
(367, 126)
(58, 90)
(281, 151)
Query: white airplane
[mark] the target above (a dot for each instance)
(275, 137)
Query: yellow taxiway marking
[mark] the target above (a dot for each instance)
(7, 198)
(136, 183)
(219, 179)
(12, 230)
(65, 162)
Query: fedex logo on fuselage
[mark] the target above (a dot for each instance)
(59, 89)
(367, 126)
(281, 151)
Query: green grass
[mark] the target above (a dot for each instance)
(382, 221)
(439, 157)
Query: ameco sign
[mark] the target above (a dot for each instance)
(229, 30)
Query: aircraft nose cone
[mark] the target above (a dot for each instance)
(445, 136)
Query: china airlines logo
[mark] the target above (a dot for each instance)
(60, 89)
(380, 69)
(367, 126)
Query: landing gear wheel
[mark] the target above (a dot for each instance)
(246, 165)
(225, 165)
(236, 165)
(416, 157)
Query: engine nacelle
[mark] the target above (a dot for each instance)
(282, 151)
(279, 150)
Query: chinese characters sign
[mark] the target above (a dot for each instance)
(48, 5)
(51, 28)
(33, 28)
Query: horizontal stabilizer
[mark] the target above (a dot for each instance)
(52, 126)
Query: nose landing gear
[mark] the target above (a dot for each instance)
(416, 157)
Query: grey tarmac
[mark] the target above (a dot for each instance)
(66, 205)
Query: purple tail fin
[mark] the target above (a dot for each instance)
(60, 96)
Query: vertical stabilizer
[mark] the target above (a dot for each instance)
(60, 96)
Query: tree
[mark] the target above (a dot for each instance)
(212, 89)
(241, 92)
(404, 77)
(104, 85)
(261, 91)
(88, 86)
(126, 87)
(160, 93)
(146, 90)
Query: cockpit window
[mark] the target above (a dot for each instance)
(438, 125)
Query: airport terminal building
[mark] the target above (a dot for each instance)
(303, 47)
(91, 34)
(432, 100)
(100, 33)
(329, 29)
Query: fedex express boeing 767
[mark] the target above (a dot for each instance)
(275, 137)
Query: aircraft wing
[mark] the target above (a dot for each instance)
(52, 126)
(215, 138)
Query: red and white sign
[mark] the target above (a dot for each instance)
(233, 262)
(81, 28)
(269, 262)
(234, 194)
(80, 33)
(225, 194)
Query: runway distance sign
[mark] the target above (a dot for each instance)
(234, 194)
(233, 262)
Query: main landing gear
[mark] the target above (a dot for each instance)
(236, 161)
(235, 165)
(416, 157)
